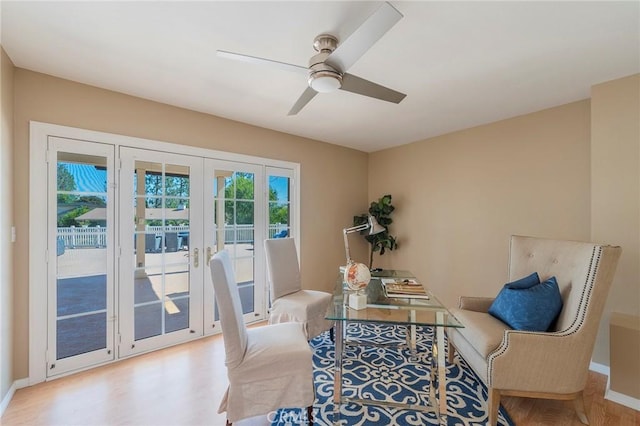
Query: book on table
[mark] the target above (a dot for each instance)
(404, 287)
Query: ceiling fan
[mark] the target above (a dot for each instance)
(327, 69)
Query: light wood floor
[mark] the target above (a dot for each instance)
(183, 385)
(601, 412)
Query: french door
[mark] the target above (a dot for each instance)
(126, 236)
(80, 245)
(233, 201)
(161, 261)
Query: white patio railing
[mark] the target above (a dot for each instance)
(96, 236)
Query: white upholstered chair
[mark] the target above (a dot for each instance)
(552, 364)
(268, 367)
(289, 302)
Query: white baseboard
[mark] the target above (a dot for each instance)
(622, 399)
(599, 368)
(21, 383)
(611, 395)
(18, 384)
(7, 398)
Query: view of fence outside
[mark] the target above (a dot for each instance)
(96, 236)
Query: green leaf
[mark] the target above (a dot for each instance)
(380, 209)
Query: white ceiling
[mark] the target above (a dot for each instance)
(461, 64)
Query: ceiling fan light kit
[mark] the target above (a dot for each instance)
(323, 78)
(328, 68)
(325, 81)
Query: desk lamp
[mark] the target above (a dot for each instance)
(357, 275)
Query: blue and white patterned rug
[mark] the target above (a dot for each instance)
(386, 373)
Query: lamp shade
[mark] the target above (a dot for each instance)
(374, 226)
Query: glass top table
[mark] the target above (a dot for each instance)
(393, 310)
(400, 311)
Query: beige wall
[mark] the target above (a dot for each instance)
(332, 177)
(615, 191)
(6, 220)
(460, 196)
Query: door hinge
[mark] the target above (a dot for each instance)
(49, 365)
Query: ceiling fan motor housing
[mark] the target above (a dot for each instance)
(322, 77)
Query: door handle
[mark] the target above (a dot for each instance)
(209, 254)
(195, 256)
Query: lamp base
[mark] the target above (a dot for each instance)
(357, 301)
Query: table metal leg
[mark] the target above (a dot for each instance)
(433, 376)
(442, 368)
(337, 371)
(412, 338)
(437, 371)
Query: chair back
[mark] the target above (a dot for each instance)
(584, 272)
(282, 267)
(228, 300)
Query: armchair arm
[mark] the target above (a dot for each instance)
(539, 362)
(477, 304)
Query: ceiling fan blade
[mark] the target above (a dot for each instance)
(358, 85)
(261, 61)
(304, 99)
(361, 40)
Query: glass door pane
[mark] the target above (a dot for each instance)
(280, 218)
(279, 206)
(165, 294)
(232, 225)
(81, 303)
(234, 229)
(161, 277)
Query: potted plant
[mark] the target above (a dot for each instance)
(383, 241)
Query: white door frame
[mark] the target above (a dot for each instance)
(38, 253)
(61, 366)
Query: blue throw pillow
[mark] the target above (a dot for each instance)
(525, 282)
(532, 309)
